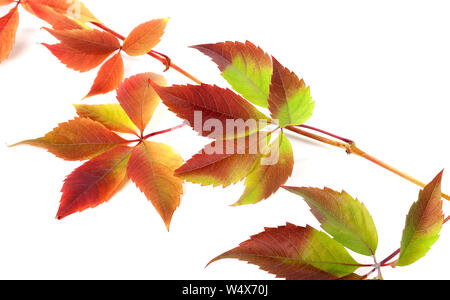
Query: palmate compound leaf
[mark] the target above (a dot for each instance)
(74, 9)
(8, 29)
(78, 139)
(145, 37)
(246, 67)
(296, 253)
(223, 163)
(139, 99)
(95, 182)
(112, 116)
(49, 15)
(272, 170)
(151, 168)
(423, 224)
(290, 100)
(344, 218)
(210, 110)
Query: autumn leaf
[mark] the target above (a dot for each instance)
(109, 77)
(151, 168)
(145, 37)
(139, 99)
(6, 2)
(344, 218)
(224, 162)
(290, 101)
(77, 60)
(8, 29)
(78, 139)
(73, 8)
(271, 172)
(207, 104)
(87, 41)
(112, 116)
(246, 67)
(58, 21)
(423, 224)
(296, 253)
(95, 182)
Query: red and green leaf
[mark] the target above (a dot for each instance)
(224, 162)
(112, 116)
(109, 76)
(344, 218)
(78, 139)
(151, 168)
(95, 182)
(423, 224)
(272, 171)
(246, 67)
(8, 29)
(290, 100)
(145, 37)
(215, 105)
(139, 99)
(77, 60)
(296, 253)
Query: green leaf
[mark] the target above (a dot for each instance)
(423, 224)
(290, 99)
(344, 218)
(246, 67)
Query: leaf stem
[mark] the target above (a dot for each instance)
(351, 148)
(157, 133)
(156, 55)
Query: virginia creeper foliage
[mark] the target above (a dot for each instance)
(262, 153)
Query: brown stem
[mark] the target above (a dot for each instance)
(156, 55)
(351, 148)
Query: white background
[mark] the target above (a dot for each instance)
(379, 72)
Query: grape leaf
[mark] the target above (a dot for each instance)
(86, 40)
(290, 101)
(207, 104)
(221, 164)
(296, 253)
(344, 218)
(71, 8)
(112, 116)
(138, 98)
(423, 224)
(247, 68)
(270, 173)
(58, 21)
(95, 182)
(109, 77)
(77, 60)
(8, 29)
(151, 168)
(145, 37)
(78, 139)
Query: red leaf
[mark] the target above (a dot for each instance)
(8, 29)
(214, 103)
(95, 182)
(76, 60)
(109, 77)
(86, 40)
(138, 98)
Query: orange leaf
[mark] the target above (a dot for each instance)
(58, 21)
(151, 168)
(144, 37)
(87, 41)
(6, 2)
(109, 77)
(95, 182)
(8, 29)
(70, 8)
(76, 60)
(139, 99)
(77, 139)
